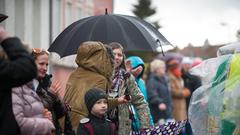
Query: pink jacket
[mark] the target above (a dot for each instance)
(28, 111)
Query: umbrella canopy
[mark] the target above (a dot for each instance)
(133, 33)
(170, 55)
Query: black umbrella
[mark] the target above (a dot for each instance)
(133, 33)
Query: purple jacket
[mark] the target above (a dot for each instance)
(28, 111)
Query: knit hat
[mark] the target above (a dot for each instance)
(92, 96)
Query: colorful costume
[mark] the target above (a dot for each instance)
(215, 108)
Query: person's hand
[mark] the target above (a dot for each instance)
(128, 65)
(123, 100)
(127, 97)
(55, 87)
(162, 106)
(3, 34)
(47, 114)
(186, 92)
(67, 106)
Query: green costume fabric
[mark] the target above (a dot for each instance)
(231, 110)
(223, 109)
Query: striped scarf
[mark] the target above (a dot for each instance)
(117, 79)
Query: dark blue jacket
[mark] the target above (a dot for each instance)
(158, 92)
(191, 82)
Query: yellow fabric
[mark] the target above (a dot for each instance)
(234, 73)
(231, 82)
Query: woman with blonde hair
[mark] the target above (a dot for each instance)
(29, 111)
(36, 105)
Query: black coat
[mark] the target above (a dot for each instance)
(191, 82)
(17, 70)
(158, 92)
(51, 101)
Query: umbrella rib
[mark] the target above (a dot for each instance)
(138, 22)
(71, 29)
(150, 29)
(153, 30)
(135, 23)
(123, 31)
(75, 28)
(93, 27)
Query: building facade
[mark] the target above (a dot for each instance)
(38, 22)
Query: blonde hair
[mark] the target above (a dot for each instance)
(37, 52)
(155, 64)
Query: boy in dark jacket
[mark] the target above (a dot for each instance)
(96, 123)
(18, 69)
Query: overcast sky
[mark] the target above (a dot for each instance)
(192, 21)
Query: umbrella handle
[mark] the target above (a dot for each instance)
(158, 42)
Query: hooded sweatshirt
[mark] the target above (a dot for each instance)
(94, 70)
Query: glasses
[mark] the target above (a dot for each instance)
(39, 51)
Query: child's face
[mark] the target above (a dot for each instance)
(100, 108)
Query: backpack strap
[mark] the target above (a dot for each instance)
(89, 128)
(113, 128)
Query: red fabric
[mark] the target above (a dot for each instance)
(89, 127)
(113, 128)
(174, 67)
(176, 72)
